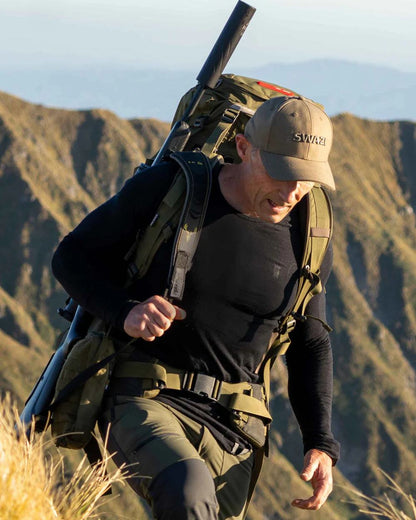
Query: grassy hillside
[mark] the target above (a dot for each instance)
(373, 299)
(56, 165)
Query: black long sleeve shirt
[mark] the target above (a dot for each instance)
(243, 279)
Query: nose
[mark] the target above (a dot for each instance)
(289, 191)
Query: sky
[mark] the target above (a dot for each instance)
(179, 34)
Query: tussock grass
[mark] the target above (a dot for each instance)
(33, 482)
(398, 506)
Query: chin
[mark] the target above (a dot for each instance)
(272, 219)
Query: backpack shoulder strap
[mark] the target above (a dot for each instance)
(319, 227)
(182, 209)
(197, 169)
(160, 229)
(318, 233)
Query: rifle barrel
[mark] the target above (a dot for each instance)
(225, 45)
(210, 72)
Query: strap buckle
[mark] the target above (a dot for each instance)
(285, 327)
(202, 384)
(230, 114)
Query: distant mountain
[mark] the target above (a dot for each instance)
(367, 91)
(56, 165)
(364, 90)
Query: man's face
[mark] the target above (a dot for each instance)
(269, 199)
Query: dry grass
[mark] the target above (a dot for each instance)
(390, 506)
(32, 478)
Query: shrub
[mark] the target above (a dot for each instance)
(33, 482)
(387, 506)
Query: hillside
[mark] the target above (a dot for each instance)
(56, 165)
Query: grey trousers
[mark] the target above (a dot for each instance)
(175, 463)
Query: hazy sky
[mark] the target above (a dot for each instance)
(179, 34)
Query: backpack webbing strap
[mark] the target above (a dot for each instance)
(156, 374)
(160, 229)
(198, 173)
(220, 132)
(319, 225)
(213, 141)
(189, 193)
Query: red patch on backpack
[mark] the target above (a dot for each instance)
(277, 89)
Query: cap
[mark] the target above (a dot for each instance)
(294, 136)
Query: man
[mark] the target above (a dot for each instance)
(185, 455)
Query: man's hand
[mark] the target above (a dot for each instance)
(152, 318)
(317, 469)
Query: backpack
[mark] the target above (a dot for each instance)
(221, 113)
(219, 116)
(317, 219)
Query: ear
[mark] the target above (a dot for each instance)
(243, 146)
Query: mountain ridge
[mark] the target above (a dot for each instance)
(366, 90)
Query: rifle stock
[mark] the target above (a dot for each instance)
(36, 410)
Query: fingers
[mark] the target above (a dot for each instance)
(180, 313)
(318, 470)
(311, 464)
(311, 503)
(315, 502)
(152, 318)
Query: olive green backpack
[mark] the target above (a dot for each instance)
(220, 115)
(223, 111)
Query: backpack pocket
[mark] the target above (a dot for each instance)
(249, 415)
(80, 390)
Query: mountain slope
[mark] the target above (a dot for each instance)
(56, 165)
(373, 295)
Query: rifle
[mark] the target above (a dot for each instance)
(36, 412)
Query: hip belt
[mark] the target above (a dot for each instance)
(245, 397)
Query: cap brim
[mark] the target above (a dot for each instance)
(286, 168)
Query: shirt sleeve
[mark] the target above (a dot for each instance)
(310, 368)
(89, 262)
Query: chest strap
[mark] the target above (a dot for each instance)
(235, 396)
